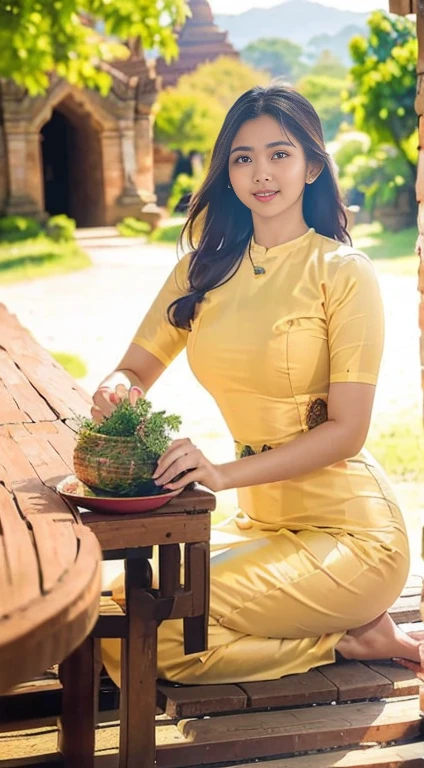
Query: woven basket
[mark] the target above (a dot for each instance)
(114, 464)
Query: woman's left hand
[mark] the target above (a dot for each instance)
(183, 456)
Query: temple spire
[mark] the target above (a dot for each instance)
(199, 40)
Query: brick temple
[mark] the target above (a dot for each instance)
(199, 41)
(89, 156)
(74, 151)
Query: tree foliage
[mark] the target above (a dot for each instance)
(382, 82)
(41, 36)
(186, 122)
(328, 64)
(190, 115)
(349, 145)
(379, 174)
(223, 80)
(279, 57)
(324, 93)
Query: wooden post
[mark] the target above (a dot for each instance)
(79, 675)
(138, 671)
(402, 7)
(419, 107)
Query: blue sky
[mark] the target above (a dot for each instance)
(238, 6)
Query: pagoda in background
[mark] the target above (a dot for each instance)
(199, 41)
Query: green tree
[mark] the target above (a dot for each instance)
(279, 57)
(328, 65)
(38, 37)
(186, 122)
(382, 83)
(380, 174)
(222, 80)
(324, 93)
(190, 115)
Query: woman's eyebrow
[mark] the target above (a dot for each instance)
(267, 146)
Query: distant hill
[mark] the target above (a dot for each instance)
(338, 44)
(296, 20)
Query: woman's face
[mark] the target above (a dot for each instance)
(267, 173)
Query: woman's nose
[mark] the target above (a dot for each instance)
(262, 175)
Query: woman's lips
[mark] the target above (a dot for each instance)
(265, 197)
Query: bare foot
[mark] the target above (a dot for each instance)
(382, 639)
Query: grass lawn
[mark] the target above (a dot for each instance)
(71, 363)
(39, 257)
(168, 234)
(398, 444)
(395, 251)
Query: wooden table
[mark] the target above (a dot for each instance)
(49, 562)
(184, 520)
(50, 559)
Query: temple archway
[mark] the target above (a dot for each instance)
(72, 164)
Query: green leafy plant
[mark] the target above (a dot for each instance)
(151, 428)
(61, 228)
(13, 228)
(381, 85)
(348, 145)
(131, 227)
(120, 453)
(39, 37)
(380, 175)
(183, 185)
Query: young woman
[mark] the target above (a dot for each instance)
(283, 324)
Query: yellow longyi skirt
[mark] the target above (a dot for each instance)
(280, 602)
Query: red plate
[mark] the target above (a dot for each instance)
(79, 494)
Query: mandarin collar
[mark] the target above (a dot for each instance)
(279, 250)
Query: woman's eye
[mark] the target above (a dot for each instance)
(243, 159)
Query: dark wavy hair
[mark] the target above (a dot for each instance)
(225, 223)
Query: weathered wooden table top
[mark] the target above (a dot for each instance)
(49, 561)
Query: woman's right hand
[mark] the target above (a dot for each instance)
(107, 397)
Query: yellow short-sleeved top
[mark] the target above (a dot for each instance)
(156, 334)
(313, 318)
(267, 347)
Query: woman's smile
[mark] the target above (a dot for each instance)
(266, 195)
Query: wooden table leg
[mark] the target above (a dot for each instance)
(138, 671)
(79, 675)
(169, 569)
(197, 559)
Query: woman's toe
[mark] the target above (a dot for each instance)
(414, 666)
